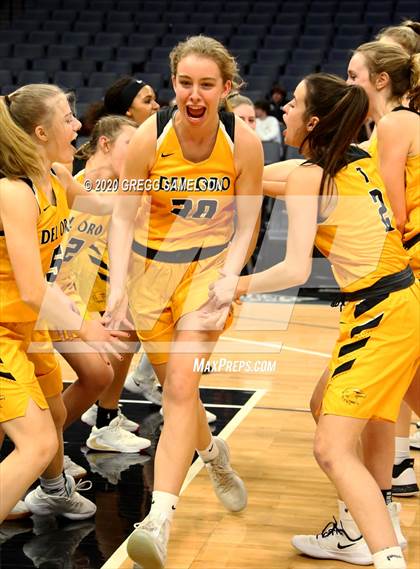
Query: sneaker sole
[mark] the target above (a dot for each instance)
(321, 554)
(415, 446)
(141, 549)
(405, 491)
(93, 445)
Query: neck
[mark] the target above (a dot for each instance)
(99, 162)
(384, 106)
(198, 135)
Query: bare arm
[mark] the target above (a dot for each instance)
(140, 157)
(249, 163)
(275, 177)
(393, 148)
(84, 197)
(296, 267)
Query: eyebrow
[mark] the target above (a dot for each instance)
(201, 78)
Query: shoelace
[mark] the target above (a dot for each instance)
(81, 486)
(332, 528)
(223, 475)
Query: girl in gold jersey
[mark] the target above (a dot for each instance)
(390, 77)
(194, 164)
(345, 212)
(37, 128)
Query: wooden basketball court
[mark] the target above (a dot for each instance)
(271, 443)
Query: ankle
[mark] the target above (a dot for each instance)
(105, 416)
(54, 486)
(163, 504)
(210, 452)
(389, 558)
(402, 449)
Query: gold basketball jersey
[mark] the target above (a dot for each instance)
(51, 226)
(190, 204)
(359, 236)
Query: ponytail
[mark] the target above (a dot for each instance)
(19, 156)
(342, 110)
(414, 92)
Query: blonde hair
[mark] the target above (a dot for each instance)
(235, 99)
(403, 69)
(204, 46)
(109, 126)
(407, 35)
(20, 113)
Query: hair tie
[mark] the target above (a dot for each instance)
(7, 100)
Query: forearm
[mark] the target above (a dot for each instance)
(274, 189)
(121, 234)
(51, 304)
(279, 277)
(238, 251)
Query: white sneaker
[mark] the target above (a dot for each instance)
(394, 509)
(145, 386)
(415, 438)
(73, 469)
(334, 543)
(89, 417)
(72, 506)
(19, 512)
(404, 482)
(110, 465)
(114, 438)
(227, 485)
(147, 545)
(211, 417)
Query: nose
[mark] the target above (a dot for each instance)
(195, 95)
(77, 124)
(349, 81)
(156, 105)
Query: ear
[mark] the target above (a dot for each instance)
(227, 89)
(128, 114)
(173, 81)
(41, 133)
(104, 143)
(382, 80)
(313, 121)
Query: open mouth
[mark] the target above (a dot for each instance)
(196, 112)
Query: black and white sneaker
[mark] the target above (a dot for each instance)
(415, 438)
(404, 482)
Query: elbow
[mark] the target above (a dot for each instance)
(300, 275)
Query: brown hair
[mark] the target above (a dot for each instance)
(110, 127)
(407, 35)
(20, 113)
(341, 110)
(204, 46)
(403, 69)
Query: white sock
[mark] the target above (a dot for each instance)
(54, 486)
(402, 449)
(163, 503)
(389, 558)
(346, 519)
(209, 453)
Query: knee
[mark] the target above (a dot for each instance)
(58, 412)
(43, 448)
(324, 453)
(178, 390)
(97, 377)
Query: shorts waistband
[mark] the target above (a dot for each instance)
(180, 256)
(385, 285)
(411, 242)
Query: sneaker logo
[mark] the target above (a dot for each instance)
(166, 155)
(173, 507)
(389, 557)
(348, 545)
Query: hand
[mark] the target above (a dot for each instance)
(115, 316)
(213, 318)
(224, 291)
(103, 341)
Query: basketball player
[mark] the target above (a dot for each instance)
(195, 162)
(380, 315)
(37, 128)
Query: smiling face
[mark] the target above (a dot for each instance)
(143, 105)
(59, 130)
(358, 74)
(294, 117)
(199, 89)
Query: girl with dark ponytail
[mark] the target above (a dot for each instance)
(337, 201)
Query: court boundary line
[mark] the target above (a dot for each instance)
(120, 554)
(278, 347)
